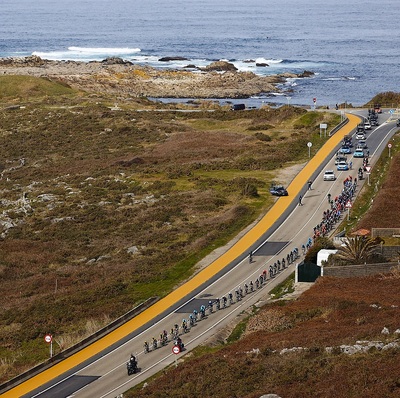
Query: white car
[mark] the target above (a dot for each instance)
(360, 136)
(329, 175)
(367, 125)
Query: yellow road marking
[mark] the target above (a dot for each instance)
(207, 273)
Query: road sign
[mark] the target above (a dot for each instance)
(48, 338)
(349, 204)
(389, 146)
(176, 349)
(391, 111)
(309, 144)
(368, 169)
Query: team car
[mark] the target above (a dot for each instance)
(329, 175)
(360, 136)
(340, 158)
(342, 166)
(358, 153)
(345, 149)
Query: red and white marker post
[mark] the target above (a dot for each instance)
(49, 340)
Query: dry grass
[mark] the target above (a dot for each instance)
(82, 184)
(326, 315)
(382, 214)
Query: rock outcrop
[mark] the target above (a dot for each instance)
(115, 76)
(220, 66)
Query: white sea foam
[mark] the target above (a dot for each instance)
(86, 53)
(268, 61)
(103, 50)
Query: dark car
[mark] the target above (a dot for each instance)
(398, 123)
(278, 190)
(238, 107)
(360, 128)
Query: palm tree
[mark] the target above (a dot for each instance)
(357, 250)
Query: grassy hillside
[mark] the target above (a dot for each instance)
(25, 87)
(103, 206)
(298, 349)
(293, 349)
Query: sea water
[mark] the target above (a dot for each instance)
(353, 47)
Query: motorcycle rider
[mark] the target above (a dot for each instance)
(132, 361)
(131, 365)
(179, 343)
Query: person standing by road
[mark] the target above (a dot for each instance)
(309, 185)
(300, 200)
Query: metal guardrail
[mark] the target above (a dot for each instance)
(338, 127)
(76, 347)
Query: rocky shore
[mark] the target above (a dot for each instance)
(116, 76)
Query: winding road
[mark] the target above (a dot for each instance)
(99, 370)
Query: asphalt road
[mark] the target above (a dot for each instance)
(105, 375)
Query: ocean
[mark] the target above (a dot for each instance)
(353, 47)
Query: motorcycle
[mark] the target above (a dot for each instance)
(131, 366)
(179, 343)
(146, 347)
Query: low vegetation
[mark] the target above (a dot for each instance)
(304, 348)
(315, 346)
(106, 202)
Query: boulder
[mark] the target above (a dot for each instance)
(190, 66)
(220, 66)
(261, 64)
(168, 59)
(115, 61)
(306, 73)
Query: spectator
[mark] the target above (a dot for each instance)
(300, 200)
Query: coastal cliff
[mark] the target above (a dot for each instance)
(116, 76)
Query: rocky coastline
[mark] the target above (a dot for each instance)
(115, 76)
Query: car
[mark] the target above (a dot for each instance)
(238, 107)
(373, 119)
(345, 149)
(367, 125)
(360, 136)
(278, 190)
(398, 123)
(360, 127)
(343, 166)
(329, 175)
(347, 140)
(362, 144)
(340, 158)
(358, 153)
(374, 122)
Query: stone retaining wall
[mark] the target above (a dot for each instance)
(382, 232)
(349, 271)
